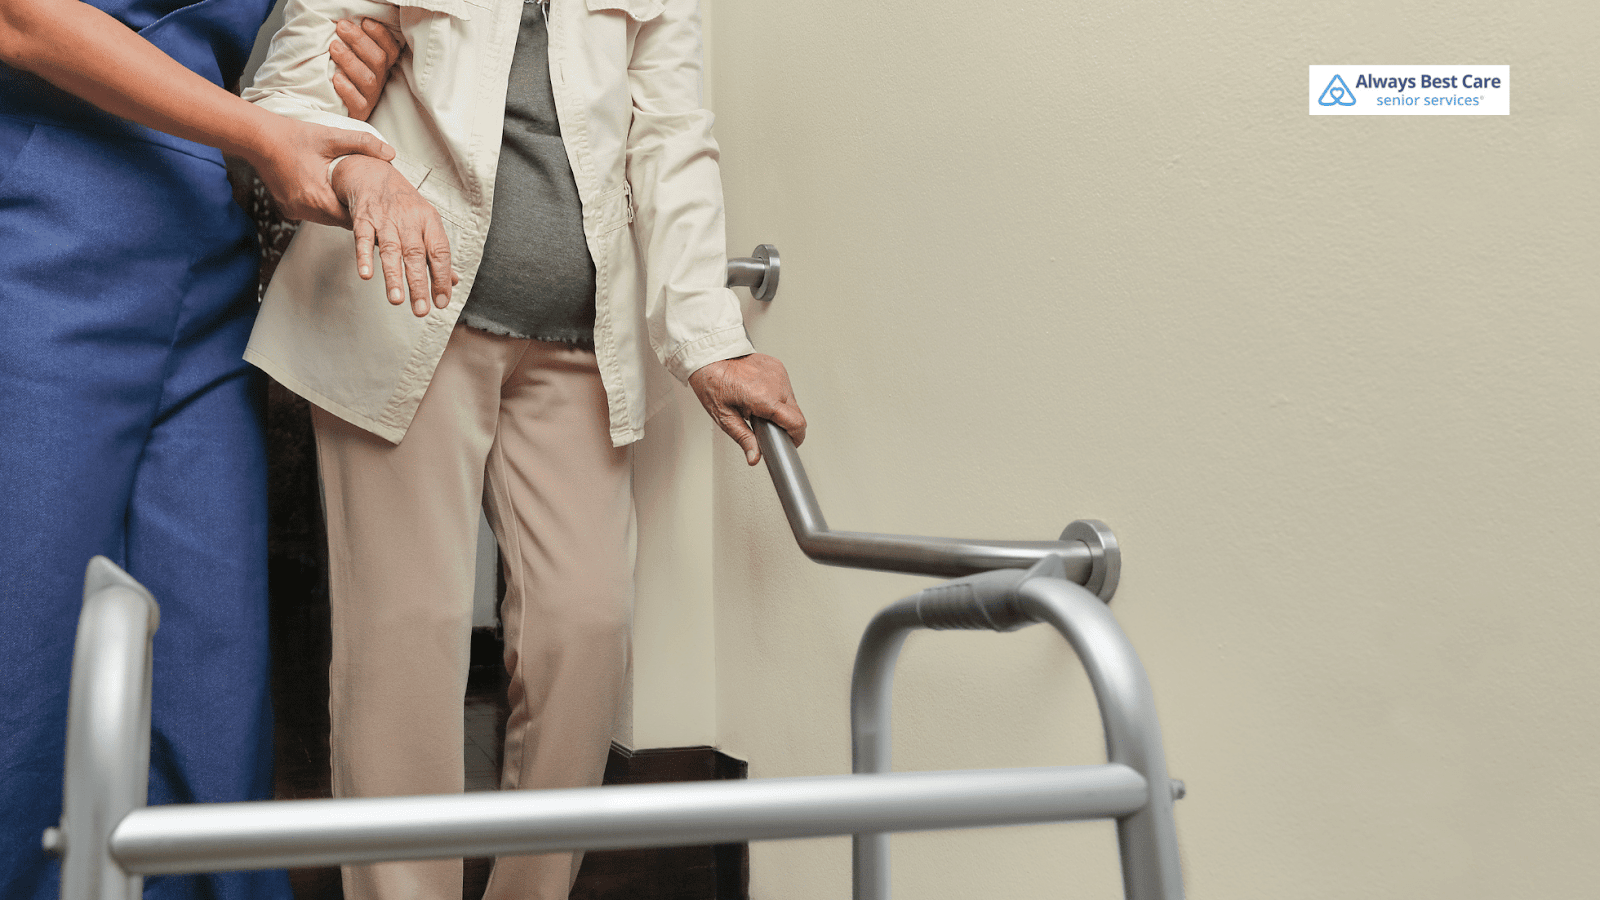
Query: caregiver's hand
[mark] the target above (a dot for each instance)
(292, 158)
(363, 55)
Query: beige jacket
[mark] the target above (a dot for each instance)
(626, 77)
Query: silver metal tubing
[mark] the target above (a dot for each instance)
(108, 732)
(758, 272)
(1095, 561)
(220, 837)
(1147, 837)
(744, 271)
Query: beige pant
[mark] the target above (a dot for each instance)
(520, 427)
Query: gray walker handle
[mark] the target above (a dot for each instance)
(108, 733)
(1007, 601)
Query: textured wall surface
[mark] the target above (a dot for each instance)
(1332, 382)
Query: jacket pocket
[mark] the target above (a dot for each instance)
(637, 10)
(611, 210)
(435, 187)
(414, 173)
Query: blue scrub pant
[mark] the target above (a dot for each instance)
(129, 427)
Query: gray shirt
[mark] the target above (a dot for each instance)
(536, 279)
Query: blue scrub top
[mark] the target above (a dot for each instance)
(213, 38)
(130, 427)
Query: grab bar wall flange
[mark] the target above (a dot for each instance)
(1105, 569)
(759, 272)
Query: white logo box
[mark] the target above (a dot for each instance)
(1409, 91)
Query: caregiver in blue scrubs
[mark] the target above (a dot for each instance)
(129, 426)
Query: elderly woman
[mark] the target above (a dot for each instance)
(565, 147)
(129, 425)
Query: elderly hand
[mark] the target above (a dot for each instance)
(363, 55)
(412, 245)
(754, 385)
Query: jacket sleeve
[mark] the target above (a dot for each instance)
(692, 316)
(296, 79)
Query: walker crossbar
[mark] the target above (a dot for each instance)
(221, 837)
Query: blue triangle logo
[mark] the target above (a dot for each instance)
(1337, 93)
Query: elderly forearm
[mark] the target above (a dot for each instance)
(89, 54)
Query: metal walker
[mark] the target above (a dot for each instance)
(109, 839)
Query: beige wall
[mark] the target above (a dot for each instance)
(673, 702)
(1332, 381)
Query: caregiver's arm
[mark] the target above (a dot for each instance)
(87, 53)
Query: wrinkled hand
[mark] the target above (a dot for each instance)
(363, 56)
(754, 385)
(412, 246)
(293, 165)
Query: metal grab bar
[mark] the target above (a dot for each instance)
(1088, 549)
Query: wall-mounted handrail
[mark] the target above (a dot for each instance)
(1087, 547)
